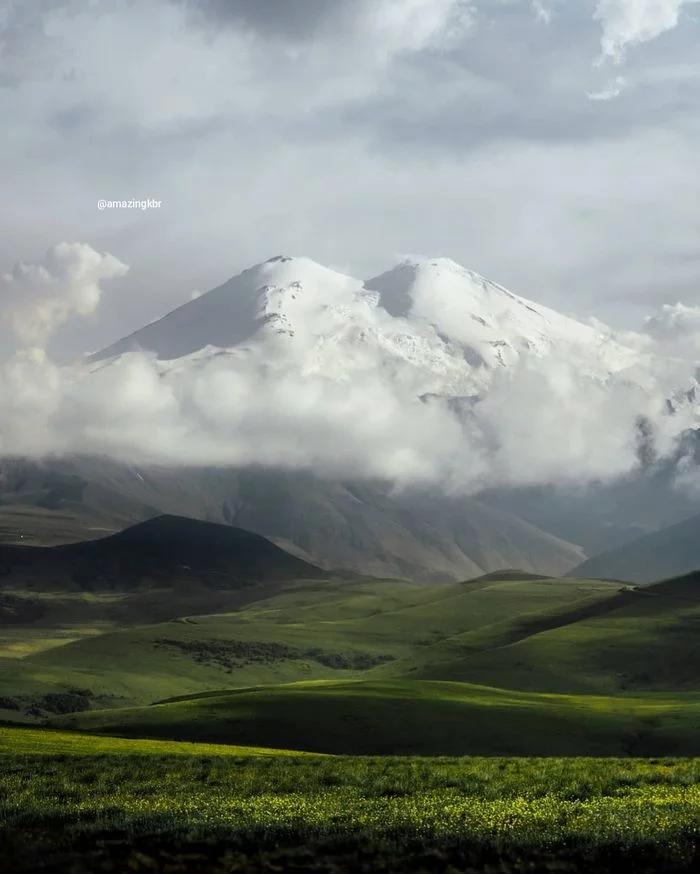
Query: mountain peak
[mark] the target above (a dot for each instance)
(435, 265)
(438, 289)
(432, 318)
(232, 313)
(297, 270)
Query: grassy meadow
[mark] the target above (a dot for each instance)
(309, 630)
(509, 724)
(91, 804)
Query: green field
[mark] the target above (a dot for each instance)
(198, 808)
(385, 666)
(310, 630)
(415, 718)
(238, 740)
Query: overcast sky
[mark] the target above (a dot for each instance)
(553, 146)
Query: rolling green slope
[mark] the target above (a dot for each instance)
(72, 803)
(492, 666)
(642, 640)
(309, 630)
(415, 718)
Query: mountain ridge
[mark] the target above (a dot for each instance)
(667, 553)
(429, 314)
(356, 526)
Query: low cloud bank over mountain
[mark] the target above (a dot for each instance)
(426, 374)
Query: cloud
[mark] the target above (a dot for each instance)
(543, 419)
(30, 395)
(301, 20)
(676, 330)
(543, 422)
(383, 26)
(542, 13)
(639, 340)
(226, 414)
(37, 299)
(627, 23)
(611, 91)
(551, 423)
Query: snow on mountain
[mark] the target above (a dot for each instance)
(493, 326)
(430, 326)
(427, 375)
(279, 296)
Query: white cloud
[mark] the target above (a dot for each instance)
(611, 91)
(30, 395)
(543, 422)
(542, 12)
(543, 419)
(641, 341)
(37, 299)
(676, 330)
(412, 25)
(627, 23)
(228, 414)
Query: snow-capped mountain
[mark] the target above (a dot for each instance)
(430, 325)
(293, 399)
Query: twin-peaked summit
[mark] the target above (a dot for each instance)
(432, 316)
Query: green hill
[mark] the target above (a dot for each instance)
(414, 718)
(565, 666)
(639, 640)
(303, 630)
(509, 574)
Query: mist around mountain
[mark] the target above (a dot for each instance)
(358, 526)
(424, 424)
(428, 374)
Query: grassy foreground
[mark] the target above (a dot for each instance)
(142, 807)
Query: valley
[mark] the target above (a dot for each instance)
(239, 624)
